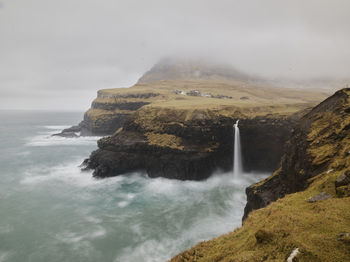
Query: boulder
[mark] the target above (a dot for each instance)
(321, 196)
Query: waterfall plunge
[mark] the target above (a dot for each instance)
(237, 157)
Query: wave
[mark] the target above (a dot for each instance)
(69, 173)
(44, 138)
(48, 140)
(56, 127)
(147, 219)
(198, 211)
(72, 237)
(4, 256)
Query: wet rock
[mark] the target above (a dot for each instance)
(321, 196)
(84, 165)
(66, 134)
(72, 129)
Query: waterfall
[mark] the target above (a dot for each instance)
(237, 157)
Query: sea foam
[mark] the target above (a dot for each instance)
(44, 138)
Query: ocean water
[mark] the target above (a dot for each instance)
(51, 211)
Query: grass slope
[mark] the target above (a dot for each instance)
(272, 233)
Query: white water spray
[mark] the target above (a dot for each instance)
(237, 158)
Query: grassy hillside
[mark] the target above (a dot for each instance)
(250, 100)
(320, 229)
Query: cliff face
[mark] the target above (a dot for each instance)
(177, 122)
(109, 111)
(318, 144)
(189, 145)
(263, 140)
(304, 204)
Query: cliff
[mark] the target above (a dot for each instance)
(318, 144)
(188, 145)
(177, 122)
(190, 136)
(190, 84)
(304, 206)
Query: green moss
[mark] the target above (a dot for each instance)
(164, 140)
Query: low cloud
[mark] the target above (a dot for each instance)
(54, 50)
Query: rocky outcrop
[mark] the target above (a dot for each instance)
(168, 143)
(108, 112)
(180, 150)
(342, 184)
(318, 144)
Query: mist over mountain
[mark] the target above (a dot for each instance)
(176, 68)
(59, 52)
(205, 69)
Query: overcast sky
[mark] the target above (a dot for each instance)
(55, 54)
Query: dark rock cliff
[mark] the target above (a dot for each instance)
(190, 149)
(317, 141)
(263, 141)
(108, 113)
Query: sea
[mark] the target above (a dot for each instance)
(50, 210)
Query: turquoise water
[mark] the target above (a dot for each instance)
(51, 211)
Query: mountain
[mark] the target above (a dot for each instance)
(192, 69)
